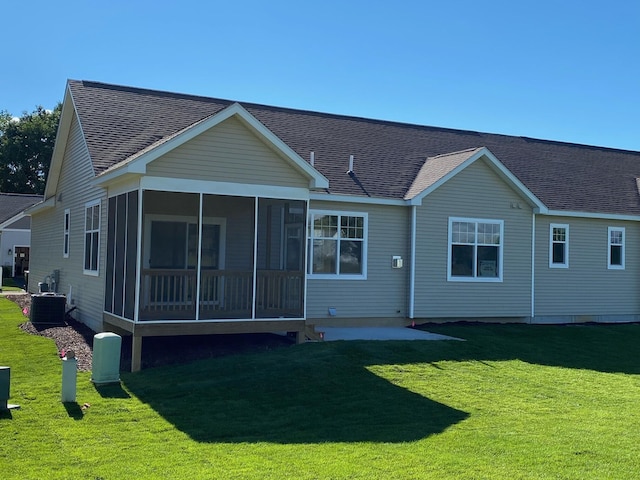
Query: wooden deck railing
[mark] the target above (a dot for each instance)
(171, 294)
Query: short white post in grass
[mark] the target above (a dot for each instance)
(69, 377)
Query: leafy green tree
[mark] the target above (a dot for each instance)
(26, 146)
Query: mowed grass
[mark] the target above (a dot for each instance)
(510, 402)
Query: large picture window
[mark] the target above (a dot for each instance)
(475, 250)
(616, 248)
(92, 237)
(558, 245)
(338, 244)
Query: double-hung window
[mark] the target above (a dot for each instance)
(338, 244)
(475, 250)
(65, 239)
(615, 255)
(92, 237)
(558, 245)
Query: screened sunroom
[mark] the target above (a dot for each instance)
(204, 257)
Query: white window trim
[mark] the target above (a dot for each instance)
(365, 242)
(566, 245)
(66, 239)
(91, 204)
(475, 279)
(189, 219)
(622, 252)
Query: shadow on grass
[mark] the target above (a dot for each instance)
(607, 348)
(325, 393)
(74, 410)
(301, 395)
(111, 390)
(6, 415)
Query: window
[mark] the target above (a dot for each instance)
(65, 240)
(616, 248)
(475, 250)
(91, 237)
(558, 246)
(338, 244)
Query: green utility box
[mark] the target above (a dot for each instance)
(105, 366)
(5, 381)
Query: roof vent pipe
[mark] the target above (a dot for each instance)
(350, 164)
(312, 160)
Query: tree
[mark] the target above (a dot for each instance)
(26, 146)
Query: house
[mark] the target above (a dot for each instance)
(171, 214)
(15, 231)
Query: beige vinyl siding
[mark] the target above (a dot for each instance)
(384, 294)
(479, 193)
(228, 152)
(587, 288)
(73, 192)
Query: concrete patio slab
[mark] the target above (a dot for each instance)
(379, 333)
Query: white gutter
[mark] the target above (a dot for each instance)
(412, 266)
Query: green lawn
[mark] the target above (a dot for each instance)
(9, 285)
(512, 402)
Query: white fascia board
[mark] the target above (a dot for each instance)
(602, 216)
(498, 167)
(317, 180)
(417, 200)
(64, 127)
(11, 220)
(42, 206)
(329, 197)
(223, 188)
(139, 164)
(504, 171)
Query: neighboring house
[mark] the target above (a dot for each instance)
(169, 214)
(15, 231)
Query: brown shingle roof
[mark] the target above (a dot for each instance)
(436, 168)
(120, 121)
(11, 204)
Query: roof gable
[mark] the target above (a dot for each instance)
(438, 170)
(138, 162)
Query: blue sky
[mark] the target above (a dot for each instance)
(561, 70)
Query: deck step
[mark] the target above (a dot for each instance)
(312, 335)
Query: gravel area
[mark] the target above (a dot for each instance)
(70, 336)
(156, 351)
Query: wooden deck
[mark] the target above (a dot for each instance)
(138, 330)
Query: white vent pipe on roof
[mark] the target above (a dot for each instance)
(312, 160)
(350, 164)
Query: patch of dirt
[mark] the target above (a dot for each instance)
(156, 351)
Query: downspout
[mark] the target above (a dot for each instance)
(533, 267)
(412, 266)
